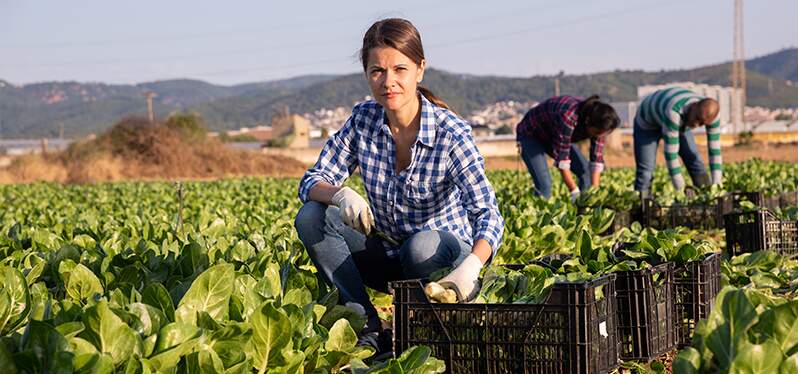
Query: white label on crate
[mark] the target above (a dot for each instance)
(603, 329)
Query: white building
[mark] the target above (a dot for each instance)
(626, 112)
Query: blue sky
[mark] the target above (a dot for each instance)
(246, 41)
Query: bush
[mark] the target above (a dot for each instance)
(504, 130)
(189, 125)
(223, 137)
(744, 138)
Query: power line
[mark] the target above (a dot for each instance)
(149, 39)
(273, 67)
(249, 51)
(175, 38)
(290, 46)
(516, 32)
(552, 25)
(235, 52)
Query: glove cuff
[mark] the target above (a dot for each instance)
(472, 263)
(338, 198)
(678, 182)
(717, 177)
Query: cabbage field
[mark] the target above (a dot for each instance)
(145, 277)
(117, 278)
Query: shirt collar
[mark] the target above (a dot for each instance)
(426, 131)
(427, 127)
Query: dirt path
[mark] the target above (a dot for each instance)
(614, 159)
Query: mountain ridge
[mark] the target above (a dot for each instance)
(41, 109)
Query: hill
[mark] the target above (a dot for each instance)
(466, 93)
(782, 64)
(40, 109)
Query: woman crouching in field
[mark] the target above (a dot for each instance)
(430, 205)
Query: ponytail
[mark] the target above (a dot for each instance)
(587, 106)
(432, 98)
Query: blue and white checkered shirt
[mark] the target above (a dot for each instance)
(444, 187)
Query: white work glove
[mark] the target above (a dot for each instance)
(464, 279)
(355, 211)
(678, 182)
(717, 177)
(575, 195)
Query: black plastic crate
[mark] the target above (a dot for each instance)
(646, 316)
(788, 199)
(696, 216)
(622, 219)
(573, 332)
(760, 230)
(695, 284)
(731, 201)
(705, 216)
(780, 200)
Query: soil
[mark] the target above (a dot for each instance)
(625, 158)
(159, 156)
(666, 359)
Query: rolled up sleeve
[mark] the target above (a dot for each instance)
(670, 134)
(597, 154)
(563, 131)
(336, 162)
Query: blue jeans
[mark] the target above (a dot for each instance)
(646, 142)
(343, 259)
(535, 155)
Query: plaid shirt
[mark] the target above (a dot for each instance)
(444, 187)
(553, 123)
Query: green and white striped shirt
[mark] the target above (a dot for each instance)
(666, 109)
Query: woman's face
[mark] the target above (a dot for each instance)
(393, 77)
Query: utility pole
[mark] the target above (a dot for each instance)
(149, 95)
(738, 69)
(557, 82)
(556, 86)
(60, 130)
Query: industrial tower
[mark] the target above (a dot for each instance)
(738, 68)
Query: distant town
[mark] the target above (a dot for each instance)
(500, 118)
(495, 121)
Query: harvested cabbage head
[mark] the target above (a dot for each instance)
(437, 293)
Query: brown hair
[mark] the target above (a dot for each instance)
(598, 115)
(401, 35)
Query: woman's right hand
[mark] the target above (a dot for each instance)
(355, 210)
